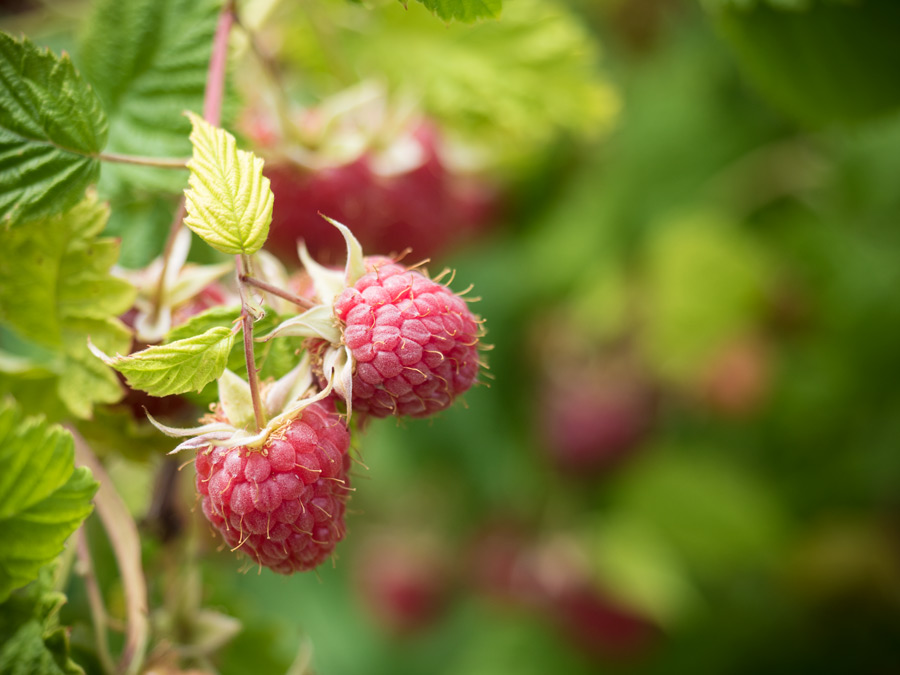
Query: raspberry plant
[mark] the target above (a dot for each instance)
(117, 315)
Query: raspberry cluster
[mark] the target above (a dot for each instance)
(282, 505)
(413, 339)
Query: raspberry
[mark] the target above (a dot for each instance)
(427, 207)
(414, 341)
(283, 505)
(403, 582)
(595, 415)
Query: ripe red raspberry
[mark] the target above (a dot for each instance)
(283, 504)
(414, 341)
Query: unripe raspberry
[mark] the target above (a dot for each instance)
(415, 342)
(282, 504)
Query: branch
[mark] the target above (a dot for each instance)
(158, 162)
(215, 79)
(274, 290)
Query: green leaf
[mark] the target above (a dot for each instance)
(229, 203)
(148, 61)
(467, 11)
(31, 640)
(178, 367)
(43, 497)
(29, 651)
(52, 126)
(204, 321)
(273, 358)
(56, 291)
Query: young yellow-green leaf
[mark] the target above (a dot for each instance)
(43, 497)
(56, 291)
(52, 126)
(177, 367)
(467, 11)
(229, 203)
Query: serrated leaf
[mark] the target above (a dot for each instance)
(56, 291)
(273, 358)
(204, 321)
(467, 11)
(148, 61)
(229, 203)
(177, 367)
(52, 126)
(43, 497)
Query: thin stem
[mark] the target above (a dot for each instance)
(95, 601)
(159, 162)
(212, 112)
(215, 79)
(174, 229)
(274, 290)
(243, 266)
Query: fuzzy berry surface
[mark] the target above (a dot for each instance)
(414, 340)
(281, 505)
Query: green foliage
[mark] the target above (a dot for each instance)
(504, 85)
(467, 11)
(831, 62)
(31, 640)
(274, 358)
(203, 322)
(716, 516)
(706, 285)
(148, 60)
(229, 203)
(56, 291)
(51, 127)
(43, 497)
(177, 367)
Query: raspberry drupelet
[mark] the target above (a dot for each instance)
(415, 342)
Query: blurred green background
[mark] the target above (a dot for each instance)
(686, 457)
